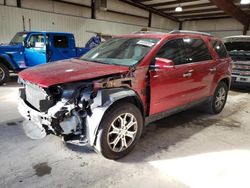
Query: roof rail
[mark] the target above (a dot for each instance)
(190, 32)
(147, 32)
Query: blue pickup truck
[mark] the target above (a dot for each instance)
(28, 49)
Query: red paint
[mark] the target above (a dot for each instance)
(159, 90)
(68, 71)
(169, 89)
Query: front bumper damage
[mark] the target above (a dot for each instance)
(34, 120)
(78, 121)
(73, 125)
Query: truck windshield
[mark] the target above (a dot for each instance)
(237, 46)
(121, 51)
(18, 38)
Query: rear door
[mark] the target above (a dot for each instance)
(170, 88)
(35, 51)
(202, 65)
(222, 57)
(61, 47)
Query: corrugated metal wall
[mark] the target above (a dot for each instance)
(55, 16)
(218, 27)
(12, 20)
(48, 15)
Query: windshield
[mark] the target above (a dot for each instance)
(237, 46)
(121, 51)
(18, 38)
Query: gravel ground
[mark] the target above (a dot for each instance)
(190, 149)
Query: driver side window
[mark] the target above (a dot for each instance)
(174, 51)
(36, 41)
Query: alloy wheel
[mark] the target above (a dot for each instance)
(2, 74)
(220, 98)
(122, 132)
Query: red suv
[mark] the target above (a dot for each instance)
(106, 97)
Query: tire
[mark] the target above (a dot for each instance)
(4, 74)
(116, 139)
(218, 100)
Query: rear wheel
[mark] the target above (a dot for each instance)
(218, 101)
(120, 130)
(4, 74)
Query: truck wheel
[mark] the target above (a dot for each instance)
(218, 101)
(120, 130)
(4, 74)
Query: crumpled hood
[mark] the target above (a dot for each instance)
(68, 71)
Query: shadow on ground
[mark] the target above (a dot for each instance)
(166, 133)
(12, 81)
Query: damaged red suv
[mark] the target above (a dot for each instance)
(107, 97)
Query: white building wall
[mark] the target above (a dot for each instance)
(11, 18)
(163, 23)
(126, 8)
(47, 15)
(218, 27)
(119, 18)
(57, 7)
(11, 2)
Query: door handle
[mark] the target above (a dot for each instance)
(188, 74)
(213, 69)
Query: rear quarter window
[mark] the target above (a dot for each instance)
(220, 48)
(60, 42)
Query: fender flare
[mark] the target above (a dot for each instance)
(8, 61)
(102, 102)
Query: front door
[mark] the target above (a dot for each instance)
(35, 50)
(170, 88)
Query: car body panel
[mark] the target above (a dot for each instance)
(34, 55)
(169, 88)
(13, 54)
(68, 71)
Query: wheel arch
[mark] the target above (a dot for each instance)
(227, 81)
(5, 59)
(105, 100)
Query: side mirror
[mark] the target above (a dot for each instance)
(161, 63)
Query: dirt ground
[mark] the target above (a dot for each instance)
(189, 149)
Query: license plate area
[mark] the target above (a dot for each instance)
(240, 79)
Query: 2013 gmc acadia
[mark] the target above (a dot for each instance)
(106, 97)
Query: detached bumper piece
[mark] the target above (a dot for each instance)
(33, 124)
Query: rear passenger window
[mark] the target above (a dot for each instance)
(196, 50)
(220, 48)
(174, 51)
(60, 41)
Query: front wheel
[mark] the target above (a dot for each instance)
(120, 130)
(4, 74)
(218, 101)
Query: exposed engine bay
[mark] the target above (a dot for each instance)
(72, 111)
